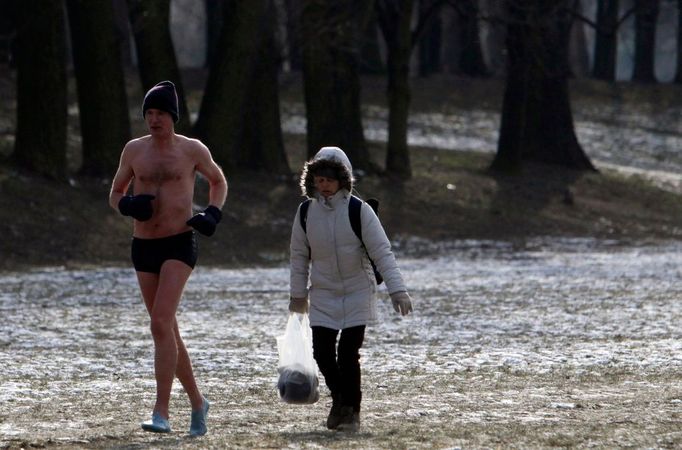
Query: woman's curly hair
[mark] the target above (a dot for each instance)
(310, 168)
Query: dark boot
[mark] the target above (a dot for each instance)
(350, 421)
(343, 416)
(337, 414)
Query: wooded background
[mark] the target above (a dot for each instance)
(536, 46)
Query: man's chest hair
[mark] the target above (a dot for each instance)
(159, 169)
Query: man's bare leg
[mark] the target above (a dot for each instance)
(162, 294)
(185, 373)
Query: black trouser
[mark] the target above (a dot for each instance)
(342, 374)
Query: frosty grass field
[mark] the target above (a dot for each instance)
(538, 344)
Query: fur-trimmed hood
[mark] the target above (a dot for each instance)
(327, 159)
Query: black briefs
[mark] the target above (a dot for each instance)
(149, 254)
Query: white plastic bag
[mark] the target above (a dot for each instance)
(298, 382)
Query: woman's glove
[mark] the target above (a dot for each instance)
(298, 305)
(402, 303)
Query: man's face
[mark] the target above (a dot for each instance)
(159, 122)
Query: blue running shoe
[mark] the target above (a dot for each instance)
(157, 425)
(198, 425)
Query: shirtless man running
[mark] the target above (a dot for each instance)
(162, 167)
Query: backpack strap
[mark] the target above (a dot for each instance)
(354, 207)
(303, 215)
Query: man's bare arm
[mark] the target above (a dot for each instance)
(215, 177)
(124, 175)
(206, 221)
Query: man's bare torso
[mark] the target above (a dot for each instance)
(167, 172)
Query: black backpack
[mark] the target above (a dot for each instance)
(354, 206)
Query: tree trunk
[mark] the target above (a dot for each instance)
(471, 56)
(8, 30)
(239, 115)
(429, 41)
(451, 48)
(214, 25)
(494, 45)
(263, 145)
(395, 20)
(371, 61)
(606, 40)
(156, 60)
(579, 58)
(122, 32)
(678, 70)
(40, 143)
(646, 14)
(537, 123)
(293, 30)
(330, 75)
(102, 100)
(221, 117)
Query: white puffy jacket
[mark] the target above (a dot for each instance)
(342, 288)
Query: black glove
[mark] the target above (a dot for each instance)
(205, 222)
(137, 206)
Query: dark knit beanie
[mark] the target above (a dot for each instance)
(162, 96)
